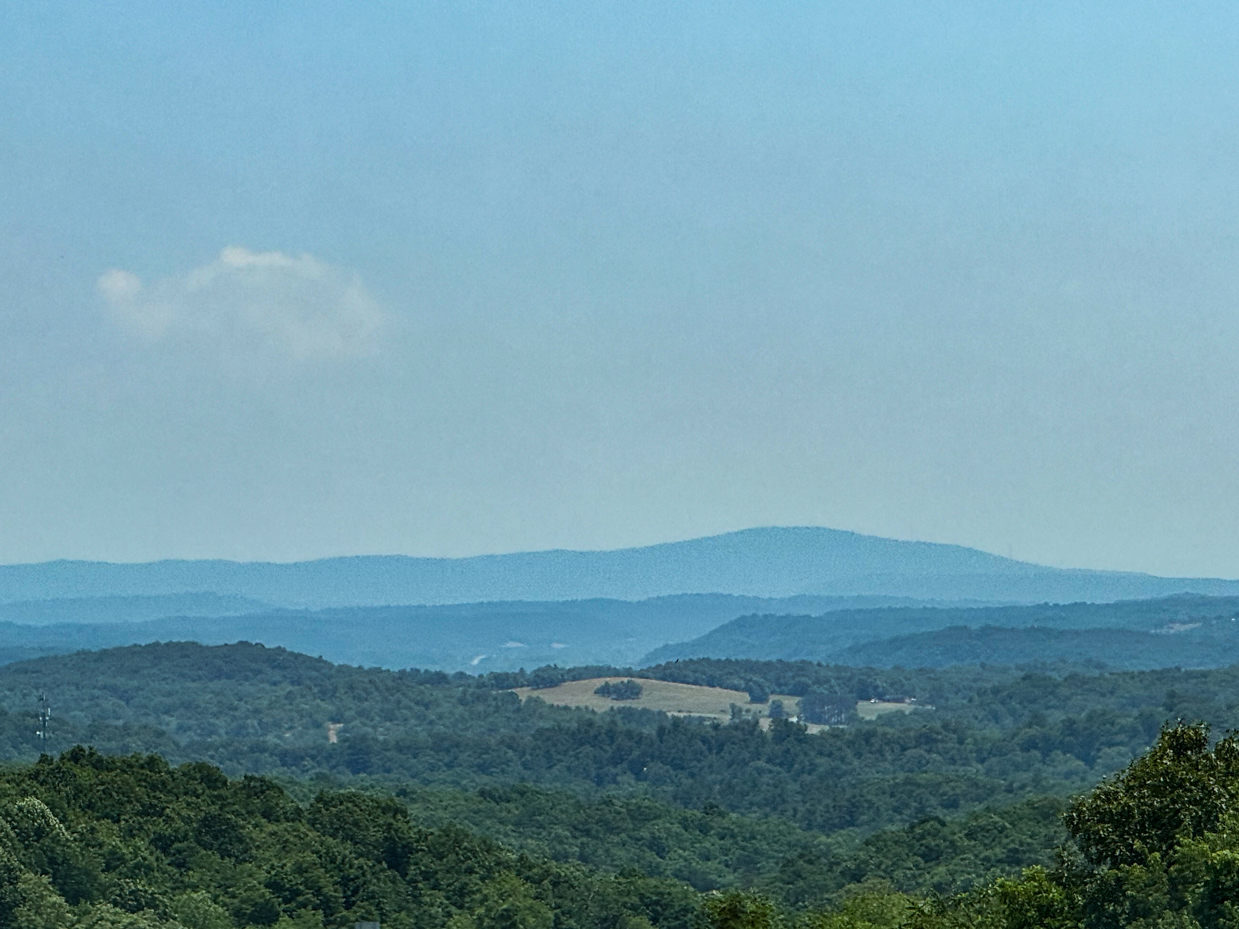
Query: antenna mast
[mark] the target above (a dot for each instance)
(45, 717)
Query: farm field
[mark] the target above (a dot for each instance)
(664, 696)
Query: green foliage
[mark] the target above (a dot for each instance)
(937, 802)
(713, 850)
(828, 709)
(931, 856)
(1180, 790)
(96, 841)
(619, 690)
(197, 910)
(90, 840)
(872, 905)
(247, 708)
(930, 802)
(1158, 848)
(737, 910)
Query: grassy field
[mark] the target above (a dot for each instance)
(671, 698)
(691, 700)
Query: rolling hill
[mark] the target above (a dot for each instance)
(1210, 645)
(470, 636)
(1191, 631)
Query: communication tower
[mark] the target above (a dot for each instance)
(45, 717)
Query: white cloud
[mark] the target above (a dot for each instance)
(242, 301)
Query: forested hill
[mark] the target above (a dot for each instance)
(1189, 631)
(992, 737)
(1185, 630)
(468, 636)
(1212, 644)
(92, 842)
(89, 841)
(942, 799)
(773, 562)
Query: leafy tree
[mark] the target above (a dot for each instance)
(187, 848)
(737, 910)
(758, 691)
(1179, 790)
(619, 690)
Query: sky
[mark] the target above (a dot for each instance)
(289, 280)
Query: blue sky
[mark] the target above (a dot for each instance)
(288, 280)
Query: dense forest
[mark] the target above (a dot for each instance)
(944, 802)
(89, 840)
(711, 849)
(994, 736)
(92, 841)
(941, 801)
(991, 739)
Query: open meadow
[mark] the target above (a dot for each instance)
(665, 697)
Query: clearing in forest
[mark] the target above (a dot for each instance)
(666, 696)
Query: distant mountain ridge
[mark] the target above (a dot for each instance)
(769, 562)
(1187, 630)
(119, 609)
(456, 637)
(1210, 644)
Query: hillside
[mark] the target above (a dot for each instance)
(1194, 631)
(471, 636)
(931, 802)
(993, 737)
(197, 851)
(122, 609)
(89, 840)
(1210, 645)
(264, 710)
(772, 562)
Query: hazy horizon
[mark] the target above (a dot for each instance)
(493, 554)
(485, 554)
(280, 283)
